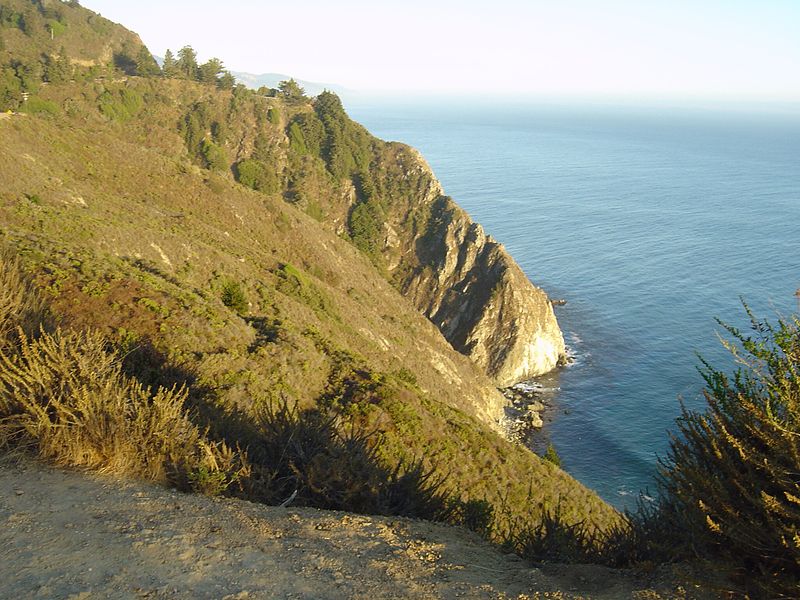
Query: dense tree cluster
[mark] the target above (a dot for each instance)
(44, 25)
(185, 66)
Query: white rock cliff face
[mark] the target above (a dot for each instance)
(470, 287)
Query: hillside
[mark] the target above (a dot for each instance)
(255, 250)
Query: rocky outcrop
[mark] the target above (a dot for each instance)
(467, 284)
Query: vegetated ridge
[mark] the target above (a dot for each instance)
(236, 244)
(201, 286)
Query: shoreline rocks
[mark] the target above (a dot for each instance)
(526, 406)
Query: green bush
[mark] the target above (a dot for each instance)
(293, 282)
(38, 106)
(730, 485)
(214, 155)
(121, 106)
(256, 175)
(550, 455)
(233, 297)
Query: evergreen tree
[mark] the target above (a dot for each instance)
(292, 91)
(57, 70)
(187, 62)
(10, 89)
(30, 74)
(226, 81)
(169, 69)
(146, 65)
(209, 71)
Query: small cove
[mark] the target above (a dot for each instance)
(650, 222)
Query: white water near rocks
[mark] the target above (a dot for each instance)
(650, 223)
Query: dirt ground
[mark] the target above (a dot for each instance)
(72, 535)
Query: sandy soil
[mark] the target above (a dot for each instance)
(70, 535)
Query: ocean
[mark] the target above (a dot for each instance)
(650, 223)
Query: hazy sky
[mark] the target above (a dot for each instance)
(732, 49)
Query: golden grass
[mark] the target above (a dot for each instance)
(63, 394)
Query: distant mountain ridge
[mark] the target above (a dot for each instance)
(272, 80)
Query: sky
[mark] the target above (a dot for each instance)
(735, 50)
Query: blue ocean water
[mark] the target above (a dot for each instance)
(650, 223)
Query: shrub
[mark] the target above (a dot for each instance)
(256, 175)
(293, 282)
(21, 308)
(37, 106)
(730, 485)
(64, 395)
(330, 465)
(550, 455)
(214, 155)
(121, 106)
(553, 539)
(233, 297)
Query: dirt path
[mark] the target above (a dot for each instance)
(68, 535)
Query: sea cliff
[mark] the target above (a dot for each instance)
(464, 281)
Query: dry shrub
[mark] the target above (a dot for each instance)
(20, 304)
(336, 467)
(64, 395)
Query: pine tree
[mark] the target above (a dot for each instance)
(226, 81)
(146, 65)
(169, 68)
(187, 62)
(209, 71)
(292, 91)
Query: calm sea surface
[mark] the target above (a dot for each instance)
(650, 223)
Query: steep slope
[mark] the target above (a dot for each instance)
(118, 194)
(383, 195)
(466, 283)
(138, 242)
(394, 209)
(40, 33)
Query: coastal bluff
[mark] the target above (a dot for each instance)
(463, 280)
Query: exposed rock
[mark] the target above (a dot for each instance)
(534, 420)
(467, 284)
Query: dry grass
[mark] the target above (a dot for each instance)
(63, 395)
(20, 305)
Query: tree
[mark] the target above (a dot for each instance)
(311, 131)
(551, 455)
(292, 91)
(30, 74)
(58, 70)
(169, 68)
(187, 62)
(209, 71)
(10, 89)
(146, 65)
(227, 81)
(214, 155)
